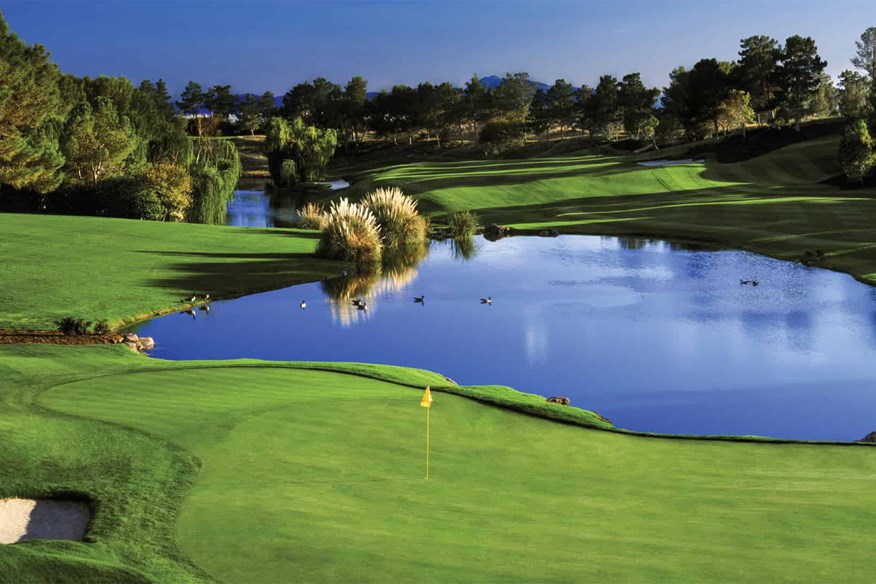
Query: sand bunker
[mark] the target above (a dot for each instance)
(25, 519)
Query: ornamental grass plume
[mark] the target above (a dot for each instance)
(350, 233)
(311, 216)
(396, 213)
(463, 224)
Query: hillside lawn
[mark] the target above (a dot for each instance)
(781, 203)
(273, 472)
(123, 270)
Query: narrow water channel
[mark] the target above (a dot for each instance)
(655, 336)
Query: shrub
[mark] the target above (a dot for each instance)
(856, 151)
(350, 233)
(311, 216)
(171, 185)
(396, 214)
(463, 224)
(73, 326)
(101, 328)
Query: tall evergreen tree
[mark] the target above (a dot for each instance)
(798, 77)
(865, 54)
(353, 106)
(31, 108)
(477, 103)
(220, 101)
(604, 107)
(191, 100)
(708, 84)
(758, 59)
(854, 96)
(540, 117)
(636, 103)
(561, 104)
(513, 96)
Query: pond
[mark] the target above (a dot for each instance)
(256, 208)
(653, 335)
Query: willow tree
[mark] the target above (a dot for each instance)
(215, 173)
(298, 152)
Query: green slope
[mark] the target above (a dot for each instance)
(117, 269)
(780, 204)
(312, 475)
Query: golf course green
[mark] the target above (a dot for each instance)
(279, 473)
(251, 471)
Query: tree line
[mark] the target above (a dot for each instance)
(770, 83)
(101, 146)
(105, 146)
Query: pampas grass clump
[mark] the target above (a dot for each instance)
(400, 222)
(350, 233)
(463, 224)
(311, 216)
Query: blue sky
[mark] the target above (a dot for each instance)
(257, 46)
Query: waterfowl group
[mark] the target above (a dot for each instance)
(204, 308)
(193, 297)
(362, 305)
(749, 282)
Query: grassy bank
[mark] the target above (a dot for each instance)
(117, 269)
(316, 475)
(779, 203)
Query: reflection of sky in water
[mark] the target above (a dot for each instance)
(653, 336)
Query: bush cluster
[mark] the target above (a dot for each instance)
(358, 232)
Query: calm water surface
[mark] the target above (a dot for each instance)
(653, 336)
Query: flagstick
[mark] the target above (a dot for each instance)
(428, 412)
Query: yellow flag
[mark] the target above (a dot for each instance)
(426, 402)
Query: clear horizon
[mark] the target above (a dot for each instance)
(262, 46)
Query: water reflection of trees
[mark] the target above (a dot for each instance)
(396, 271)
(633, 243)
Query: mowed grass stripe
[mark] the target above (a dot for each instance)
(779, 204)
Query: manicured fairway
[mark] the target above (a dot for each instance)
(778, 204)
(117, 269)
(317, 476)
